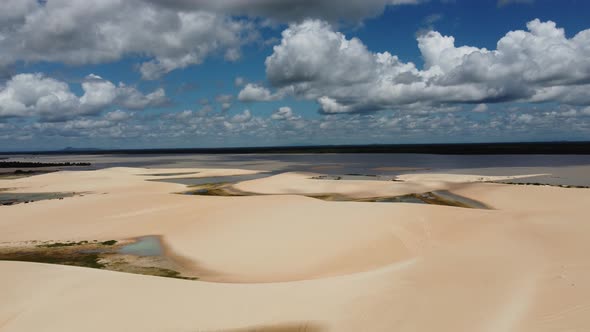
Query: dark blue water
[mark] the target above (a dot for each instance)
(557, 166)
(366, 164)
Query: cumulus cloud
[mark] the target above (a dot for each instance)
(290, 122)
(239, 81)
(225, 107)
(51, 99)
(118, 115)
(204, 111)
(290, 10)
(170, 34)
(314, 61)
(518, 122)
(284, 113)
(225, 101)
(15, 11)
(254, 92)
(95, 128)
(245, 116)
(86, 32)
(131, 98)
(480, 108)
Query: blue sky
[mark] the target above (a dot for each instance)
(188, 73)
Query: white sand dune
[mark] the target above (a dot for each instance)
(292, 263)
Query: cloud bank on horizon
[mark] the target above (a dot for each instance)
(141, 73)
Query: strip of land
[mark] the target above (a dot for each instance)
(37, 164)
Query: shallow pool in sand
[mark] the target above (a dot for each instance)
(143, 246)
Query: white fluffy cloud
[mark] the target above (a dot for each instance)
(254, 92)
(118, 115)
(315, 62)
(168, 34)
(85, 32)
(245, 116)
(225, 102)
(284, 113)
(48, 98)
(480, 108)
(518, 122)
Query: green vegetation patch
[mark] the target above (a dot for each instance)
(92, 254)
(167, 273)
(540, 184)
(441, 198)
(91, 260)
(214, 189)
(61, 244)
(8, 198)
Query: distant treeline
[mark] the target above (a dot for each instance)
(456, 149)
(28, 164)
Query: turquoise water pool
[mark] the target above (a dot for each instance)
(144, 246)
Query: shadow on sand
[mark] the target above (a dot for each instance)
(287, 327)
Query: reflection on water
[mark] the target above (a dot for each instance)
(144, 246)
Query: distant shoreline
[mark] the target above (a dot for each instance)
(37, 164)
(527, 148)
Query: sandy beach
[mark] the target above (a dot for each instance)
(278, 260)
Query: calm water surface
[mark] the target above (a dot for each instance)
(563, 169)
(144, 246)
